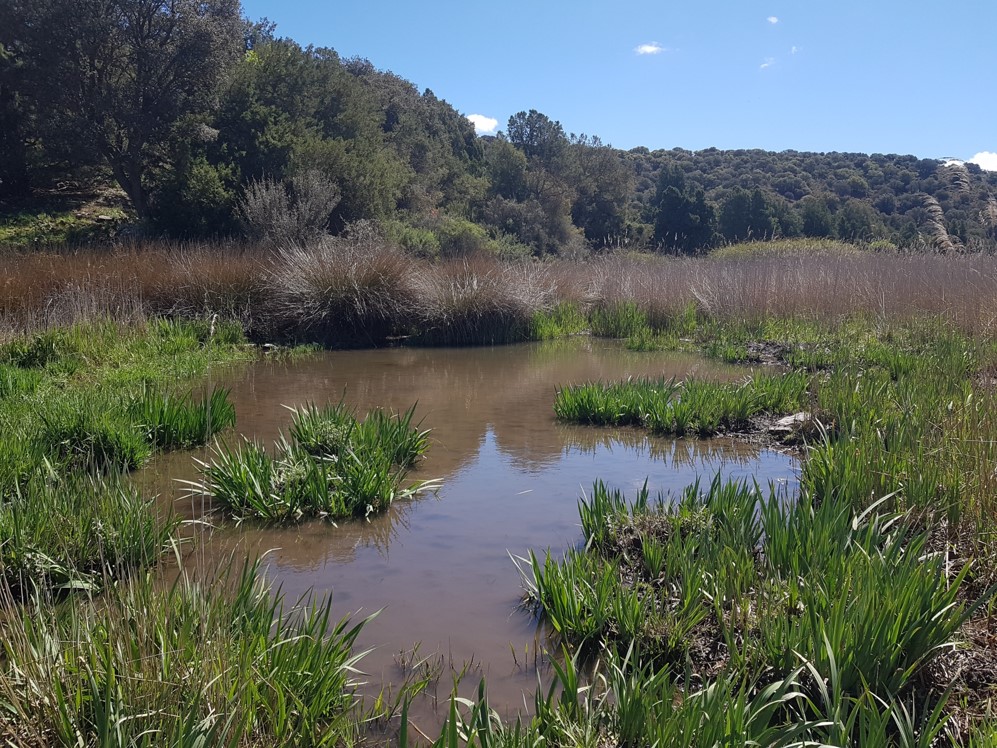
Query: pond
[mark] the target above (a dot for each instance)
(438, 567)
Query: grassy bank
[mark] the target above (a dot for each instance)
(223, 662)
(98, 649)
(858, 613)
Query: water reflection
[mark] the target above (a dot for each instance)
(439, 565)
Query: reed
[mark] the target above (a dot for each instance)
(334, 466)
(228, 662)
(168, 422)
(75, 532)
(692, 407)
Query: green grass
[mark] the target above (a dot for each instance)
(335, 465)
(229, 662)
(563, 320)
(692, 407)
(26, 230)
(617, 321)
(752, 594)
(169, 422)
(74, 532)
(78, 406)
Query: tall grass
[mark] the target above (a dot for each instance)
(169, 422)
(480, 300)
(363, 292)
(341, 293)
(730, 581)
(693, 407)
(228, 662)
(73, 532)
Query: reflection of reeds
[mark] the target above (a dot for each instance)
(670, 453)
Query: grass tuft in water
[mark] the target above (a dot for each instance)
(692, 407)
(334, 466)
(170, 422)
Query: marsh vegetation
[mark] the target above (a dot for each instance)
(854, 611)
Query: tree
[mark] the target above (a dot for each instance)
(123, 72)
(602, 188)
(539, 137)
(746, 215)
(817, 218)
(683, 219)
(13, 152)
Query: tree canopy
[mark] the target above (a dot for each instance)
(186, 106)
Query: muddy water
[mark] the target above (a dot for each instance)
(438, 568)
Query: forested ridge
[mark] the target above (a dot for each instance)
(213, 126)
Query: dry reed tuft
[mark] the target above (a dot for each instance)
(340, 292)
(479, 299)
(361, 291)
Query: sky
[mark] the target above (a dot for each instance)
(868, 76)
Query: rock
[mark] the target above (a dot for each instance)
(793, 421)
(789, 425)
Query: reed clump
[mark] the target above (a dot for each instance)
(480, 300)
(334, 466)
(223, 662)
(73, 532)
(808, 622)
(342, 292)
(691, 407)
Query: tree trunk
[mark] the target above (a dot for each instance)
(129, 176)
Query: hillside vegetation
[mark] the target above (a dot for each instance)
(227, 129)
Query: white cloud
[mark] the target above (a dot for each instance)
(483, 124)
(986, 160)
(773, 20)
(794, 49)
(650, 48)
(769, 62)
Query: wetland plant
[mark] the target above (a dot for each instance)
(731, 587)
(75, 532)
(334, 466)
(171, 422)
(670, 407)
(224, 662)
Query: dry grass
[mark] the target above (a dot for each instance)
(480, 300)
(342, 292)
(824, 287)
(361, 292)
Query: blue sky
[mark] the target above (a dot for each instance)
(871, 76)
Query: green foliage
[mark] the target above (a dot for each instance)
(334, 466)
(621, 320)
(681, 408)
(228, 662)
(180, 423)
(563, 320)
(73, 532)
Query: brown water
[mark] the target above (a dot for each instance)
(438, 567)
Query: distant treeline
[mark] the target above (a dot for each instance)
(213, 126)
